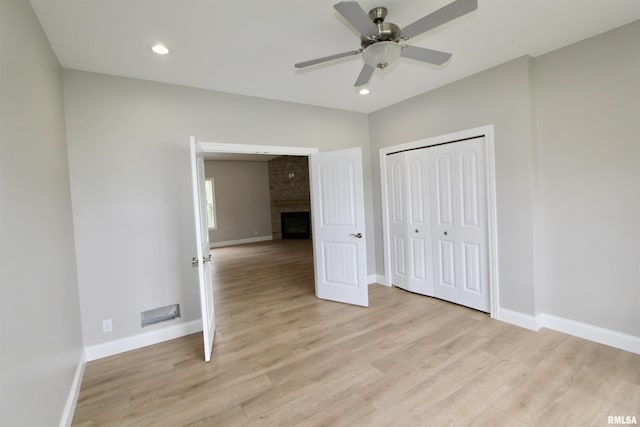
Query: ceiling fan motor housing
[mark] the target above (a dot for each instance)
(386, 49)
(387, 31)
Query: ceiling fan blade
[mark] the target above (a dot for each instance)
(439, 17)
(425, 55)
(327, 58)
(365, 75)
(356, 16)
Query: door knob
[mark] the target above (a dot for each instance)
(446, 233)
(417, 230)
(358, 236)
(207, 259)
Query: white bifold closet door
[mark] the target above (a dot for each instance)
(398, 228)
(410, 222)
(438, 222)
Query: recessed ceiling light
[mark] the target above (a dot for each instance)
(160, 49)
(364, 91)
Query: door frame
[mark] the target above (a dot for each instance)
(279, 150)
(492, 219)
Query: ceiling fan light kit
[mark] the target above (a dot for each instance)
(381, 54)
(380, 41)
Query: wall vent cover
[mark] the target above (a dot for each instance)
(161, 314)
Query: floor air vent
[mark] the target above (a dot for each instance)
(161, 314)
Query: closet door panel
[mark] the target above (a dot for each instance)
(420, 277)
(459, 225)
(396, 181)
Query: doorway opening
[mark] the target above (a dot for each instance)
(336, 200)
(277, 179)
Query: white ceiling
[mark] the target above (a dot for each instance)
(249, 47)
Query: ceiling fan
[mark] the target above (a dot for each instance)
(381, 41)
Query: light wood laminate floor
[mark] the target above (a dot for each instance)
(282, 357)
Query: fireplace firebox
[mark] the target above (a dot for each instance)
(295, 225)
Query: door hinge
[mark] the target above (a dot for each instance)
(194, 260)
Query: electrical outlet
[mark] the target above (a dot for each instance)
(107, 325)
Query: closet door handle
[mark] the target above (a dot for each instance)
(358, 236)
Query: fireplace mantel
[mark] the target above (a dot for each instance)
(298, 202)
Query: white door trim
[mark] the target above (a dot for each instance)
(281, 150)
(492, 221)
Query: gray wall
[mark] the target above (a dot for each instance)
(243, 207)
(499, 96)
(568, 173)
(40, 317)
(588, 109)
(130, 182)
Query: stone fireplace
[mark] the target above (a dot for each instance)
(288, 189)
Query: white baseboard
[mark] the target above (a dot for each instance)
(375, 278)
(121, 345)
(578, 329)
(519, 319)
(72, 399)
(592, 333)
(240, 241)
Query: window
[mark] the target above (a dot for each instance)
(211, 204)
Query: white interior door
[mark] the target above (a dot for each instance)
(339, 244)
(459, 225)
(398, 227)
(203, 253)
